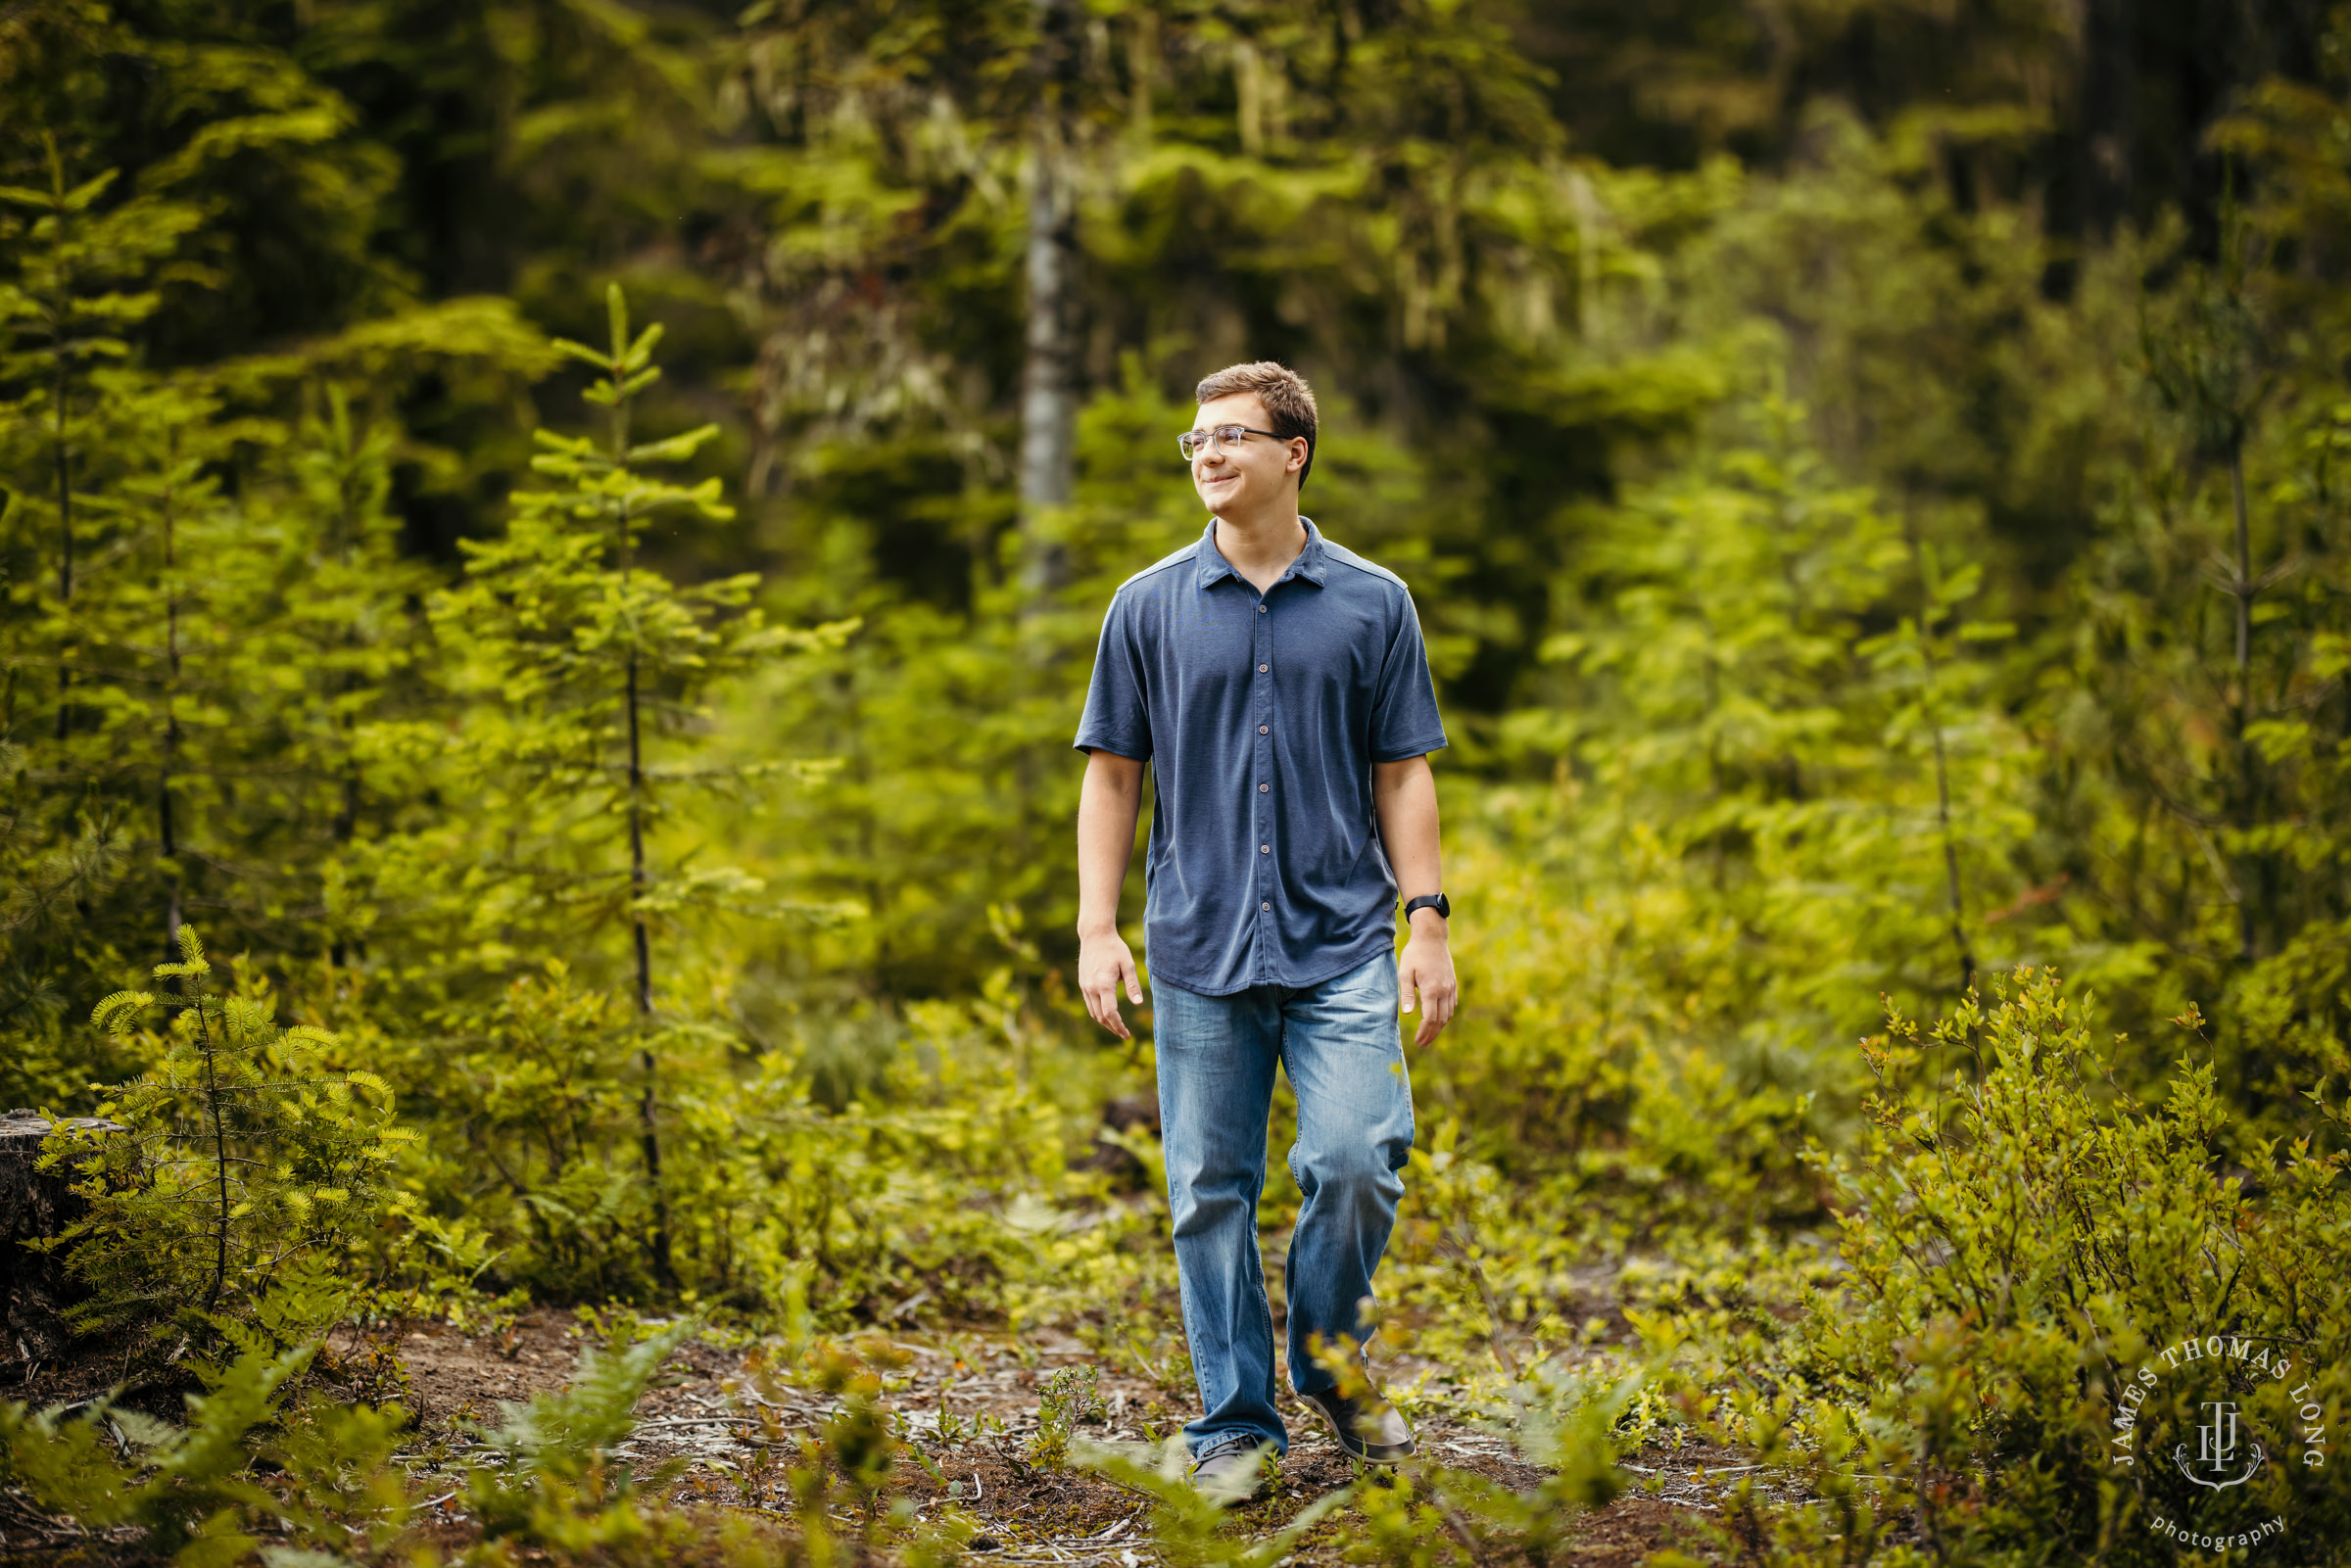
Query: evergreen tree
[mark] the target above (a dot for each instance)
(584, 671)
(1835, 802)
(70, 397)
(2193, 776)
(245, 1167)
(81, 288)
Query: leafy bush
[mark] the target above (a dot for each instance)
(2029, 1252)
(948, 1182)
(1073, 1395)
(246, 1166)
(318, 1484)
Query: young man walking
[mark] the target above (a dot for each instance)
(1278, 685)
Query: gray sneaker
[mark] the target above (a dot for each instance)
(1231, 1474)
(1366, 1426)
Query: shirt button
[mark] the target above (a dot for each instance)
(1260, 728)
(1264, 906)
(1262, 789)
(1264, 849)
(1261, 609)
(1263, 667)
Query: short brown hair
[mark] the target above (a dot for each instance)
(1289, 402)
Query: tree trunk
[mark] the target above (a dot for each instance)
(649, 1127)
(2248, 781)
(2103, 141)
(648, 1104)
(64, 547)
(1048, 394)
(212, 1103)
(1942, 771)
(165, 827)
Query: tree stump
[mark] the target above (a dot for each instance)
(34, 1204)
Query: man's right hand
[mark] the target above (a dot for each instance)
(1104, 966)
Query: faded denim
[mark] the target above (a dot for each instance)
(1342, 1046)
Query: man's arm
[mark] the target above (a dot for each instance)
(1404, 794)
(1108, 804)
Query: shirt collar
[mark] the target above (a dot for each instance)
(1309, 566)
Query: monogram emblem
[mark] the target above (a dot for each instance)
(2216, 1446)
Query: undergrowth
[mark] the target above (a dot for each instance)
(2048, 1287)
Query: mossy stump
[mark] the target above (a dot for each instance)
(34, 1204)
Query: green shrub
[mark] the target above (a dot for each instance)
(2029, 1251)
(1189, 1529)
(1071, 1395)
(246, 1169)
(945, 1186)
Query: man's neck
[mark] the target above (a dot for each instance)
(1261, 547)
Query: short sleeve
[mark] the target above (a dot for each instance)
(1117, 718)
(1403, 709)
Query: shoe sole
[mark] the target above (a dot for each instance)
(1347, 1447)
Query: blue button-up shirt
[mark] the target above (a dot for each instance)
(1262, 716)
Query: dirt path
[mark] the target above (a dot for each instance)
(982, 1391)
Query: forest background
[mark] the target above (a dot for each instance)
(1870, 476)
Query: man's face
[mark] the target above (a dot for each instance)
(1233, 477)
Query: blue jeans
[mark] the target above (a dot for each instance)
(1342, 1047)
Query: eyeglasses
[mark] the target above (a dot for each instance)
(1195, 442)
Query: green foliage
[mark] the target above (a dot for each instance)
(1849, 567)
(188, 1491)
(344, 1484)
(850, 1464)
(578, 660)
(240, 1171)
(583, 675)
(1570, 1424)
(1827, 782)
(552, 1478)
(1069, 1398)
(1190, 1528)
(203, 610)
(948, 1180)
(2025, 1254)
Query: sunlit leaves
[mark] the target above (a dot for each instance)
(230, 1179)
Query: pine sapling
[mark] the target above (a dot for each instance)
(245, 1169)
(581, 653)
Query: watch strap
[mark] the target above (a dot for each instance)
(1437, 901)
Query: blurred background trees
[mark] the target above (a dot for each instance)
(1869, 473)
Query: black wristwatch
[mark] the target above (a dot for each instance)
(1436, 901)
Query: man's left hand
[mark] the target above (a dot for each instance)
(1425, 972)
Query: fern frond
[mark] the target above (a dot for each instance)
(562, 1435)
